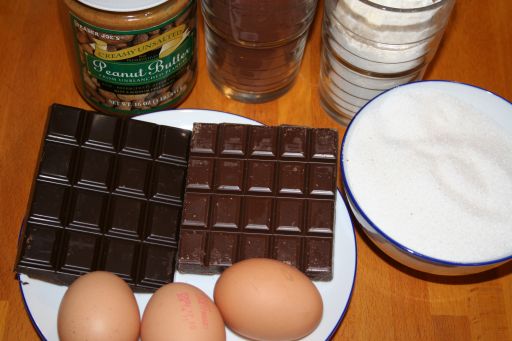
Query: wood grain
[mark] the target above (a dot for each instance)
(389, 301)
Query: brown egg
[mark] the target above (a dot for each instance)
(179, 311)
(264, 299)
(99, 306)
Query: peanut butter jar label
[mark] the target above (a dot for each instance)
(137, 71)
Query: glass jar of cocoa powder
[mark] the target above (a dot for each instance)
(254, 49)
(134, 56)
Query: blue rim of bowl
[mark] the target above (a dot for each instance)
(399, 246)
(345, 309)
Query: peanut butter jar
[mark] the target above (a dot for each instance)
(134, 56)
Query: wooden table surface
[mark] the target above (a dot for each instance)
(389, 302)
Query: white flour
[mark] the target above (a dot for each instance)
(376, 37)
(385, 48)
(435, 175)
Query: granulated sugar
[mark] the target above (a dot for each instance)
(434, 174)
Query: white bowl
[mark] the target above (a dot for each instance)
(496, 110)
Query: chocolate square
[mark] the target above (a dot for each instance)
(41, 247)
(260, 176)
(95, 168)
(132, 175)
(87, 209)
(229, 175)
(126, 216)
(226, 212)
(65, 124)
(102, 131)
(204, 139)
(224, 249)
(163, 222)
(324, 145)
(158, 266)
(322, 180)
(288, 249)
(316, 257)
(167, 181)
(174, 143)
(121, 257)
(200, 173)
(289, 215)
(49, 202)
(57, 161)
(320, 217)
(258, 213)
(138, 138)
(233, 140)
(293, 142)
(291, 178)
(254, 246)
(193, 244)
(80, 251)
(263, 142)
(197, 210)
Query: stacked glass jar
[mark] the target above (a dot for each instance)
(369, 47)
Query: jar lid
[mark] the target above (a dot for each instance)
(122, 6)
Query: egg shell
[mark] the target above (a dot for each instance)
(265, 299)
(98, 306)
(179, 311)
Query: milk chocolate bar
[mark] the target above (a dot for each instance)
(107, 195)
(258, 191)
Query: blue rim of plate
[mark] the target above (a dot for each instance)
(397, 245)
(349, 300)
(342, 316)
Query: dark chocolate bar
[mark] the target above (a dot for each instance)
(107, 196)
(257, 191)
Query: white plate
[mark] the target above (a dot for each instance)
(42, 299)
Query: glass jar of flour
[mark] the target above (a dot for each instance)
(371, 46)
